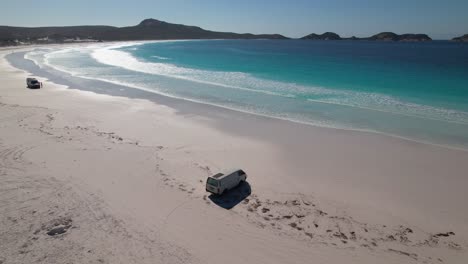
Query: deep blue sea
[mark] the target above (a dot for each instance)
(417, 91)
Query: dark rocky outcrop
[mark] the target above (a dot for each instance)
(463, 38)
(148, 29)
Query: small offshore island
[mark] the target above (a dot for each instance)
(384, 36)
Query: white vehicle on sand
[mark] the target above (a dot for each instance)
(221, 182)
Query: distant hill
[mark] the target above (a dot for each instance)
(324, 36)
(463, 38)
(148, 29)
(384, 36)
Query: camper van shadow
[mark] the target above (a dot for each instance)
(231, 198)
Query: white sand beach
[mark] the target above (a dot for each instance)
(92, 178)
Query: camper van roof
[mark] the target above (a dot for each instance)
(217, 176)
(227, 172)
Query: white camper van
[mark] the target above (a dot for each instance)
(222, 182)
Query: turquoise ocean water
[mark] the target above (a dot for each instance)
(412, 90)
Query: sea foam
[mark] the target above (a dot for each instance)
(246, 82)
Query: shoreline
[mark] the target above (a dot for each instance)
(363, 177)
(109, 88)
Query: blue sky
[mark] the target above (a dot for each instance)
(293, 18)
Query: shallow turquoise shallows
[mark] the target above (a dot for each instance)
(412, 90)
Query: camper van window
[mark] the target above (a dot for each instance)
(212, 182)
